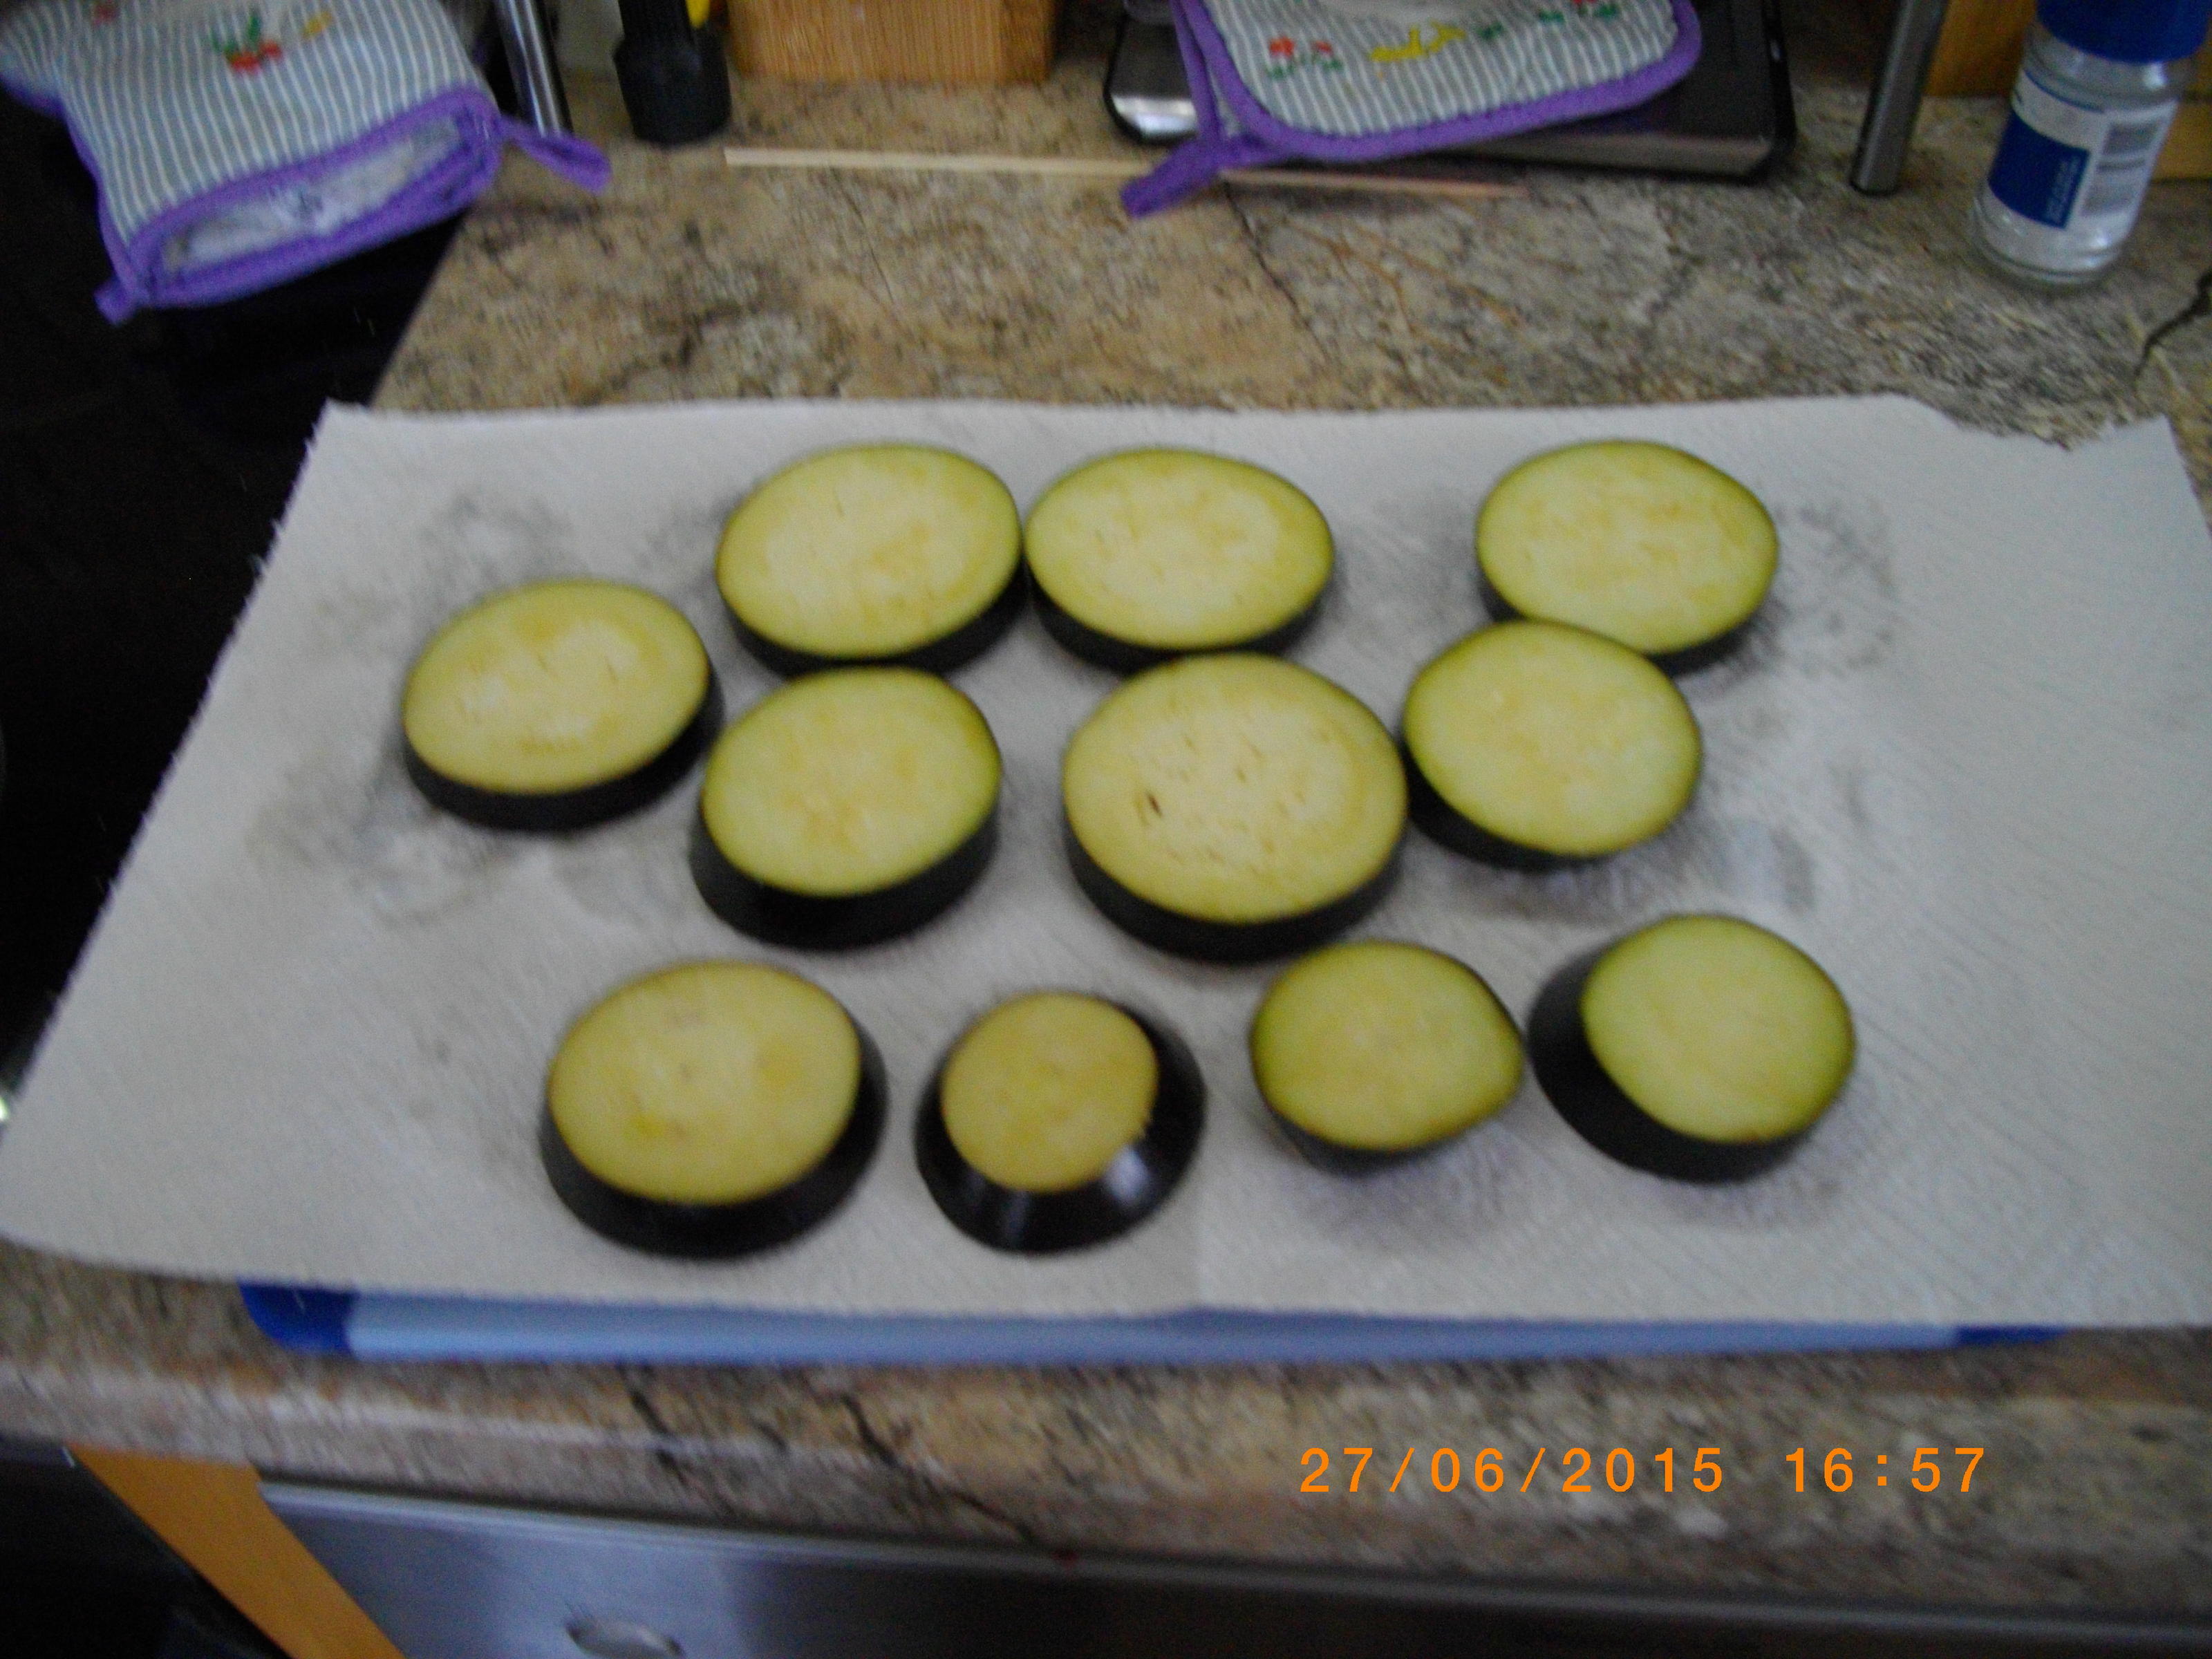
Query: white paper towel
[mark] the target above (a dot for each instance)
(1965, 759)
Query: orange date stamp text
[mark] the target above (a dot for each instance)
(1576, 1470)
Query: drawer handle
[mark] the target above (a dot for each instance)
(619, 1638)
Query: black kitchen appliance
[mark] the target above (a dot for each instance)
(1730, 118)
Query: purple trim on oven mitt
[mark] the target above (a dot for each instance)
(35, 99)
(1198, 161)
(1264, 140)
(461, 176)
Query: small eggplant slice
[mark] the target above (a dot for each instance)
(1374, 1051)
(1155, 553)
(1702, 1047)
(847, 808)
(1531, 744)
(1639, 541)
(1233, 808)
(712, 1109)
(556, 706)
(877, 553)
(1057, 1121)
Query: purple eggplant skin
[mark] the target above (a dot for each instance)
(1441, 823)
(1357, 1161)
(1138, 1181)
(1597, 1109)
(1228, 942)
(1437, 818)
(1353, 1161)
(719, 1231)
(1673, 663)
(938, 656)
(811, 921)
(1121, 657)
(574, 809)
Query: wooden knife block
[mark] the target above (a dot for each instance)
(960, 42)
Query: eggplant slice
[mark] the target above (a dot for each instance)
(1057, 1121)
(1702, 1047)
(557, 705)
(1233, 808)
(1370, 1053)
(1530, 744)
(847, 808)
(1155, 553)
(1639, 541)
(877, 553)
(711, 1109)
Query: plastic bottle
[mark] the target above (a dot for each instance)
(675, 78)
(2097, 91)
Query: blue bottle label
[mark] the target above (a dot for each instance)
(2065, 166)
(2035, 175)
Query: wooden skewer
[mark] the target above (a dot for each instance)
(1105, 169)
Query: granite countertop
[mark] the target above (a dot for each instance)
(686, 280)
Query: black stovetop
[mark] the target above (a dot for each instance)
(141, 471)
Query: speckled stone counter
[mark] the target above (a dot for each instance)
(687, 280)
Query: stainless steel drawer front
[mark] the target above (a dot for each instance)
(467, 1581)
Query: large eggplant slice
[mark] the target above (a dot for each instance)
(1374, 1051)
(1233, 807)
(1639, 541)
(712, 1108)
(1701, 1047)
(557, 705)
(877, 553)
(1532, 743)
(1058, 1120)
(845, 808)
(1155, 553)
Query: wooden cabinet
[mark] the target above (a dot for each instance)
(1978, 56)
(951, 41)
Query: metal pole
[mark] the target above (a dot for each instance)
(1895, 103)
(537, 86)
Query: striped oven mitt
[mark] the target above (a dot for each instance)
(1364, 80)
(240, 143)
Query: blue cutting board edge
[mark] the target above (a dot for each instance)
(370, 1325)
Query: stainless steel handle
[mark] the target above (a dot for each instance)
(619, 1638)
(1895, 103)
(530, 61)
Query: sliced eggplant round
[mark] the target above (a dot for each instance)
(847, 808)
(877, 553)
(557, 705)
(1058, 1120)
(1373, 1052)
(1639, 541)
(1233, 808)
(712, 1108)
(1531, 744)
(1701, 1047)
(1156, 553)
